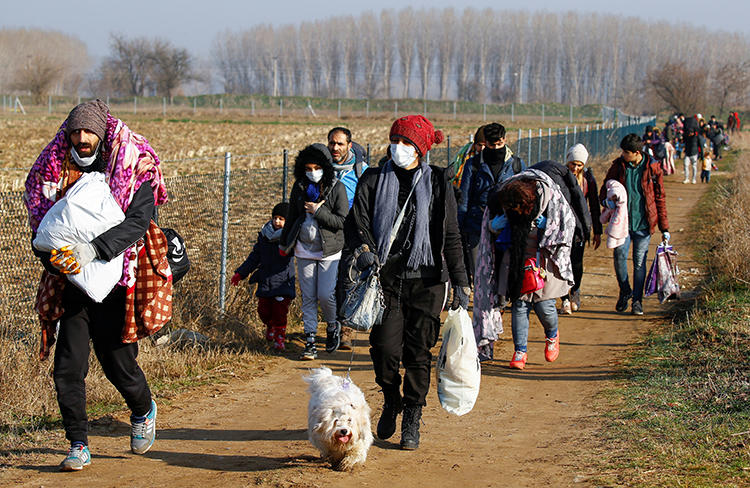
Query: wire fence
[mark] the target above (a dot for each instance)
(310, 107)
(219, 215)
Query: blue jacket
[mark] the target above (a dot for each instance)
(273, 273)
(351, 178)
(476, 185)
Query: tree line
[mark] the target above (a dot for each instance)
(478, 55)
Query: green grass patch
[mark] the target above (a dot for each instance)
(681, 414)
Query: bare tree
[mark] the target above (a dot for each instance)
(41, 62)
(426, 44)
(38, 76)
(406, 37)
(130, 64)
(446, 50)
(172, 66)
(683, 89)
(388, 34)
(731, 83)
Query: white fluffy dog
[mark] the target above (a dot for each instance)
(338, 419)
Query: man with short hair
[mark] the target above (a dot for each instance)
(349, 162)
(643, 180)
(92, 141)
(483, 172)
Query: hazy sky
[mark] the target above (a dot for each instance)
(193, 24)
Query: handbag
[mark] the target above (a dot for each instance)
(533, 276)
(364, 304)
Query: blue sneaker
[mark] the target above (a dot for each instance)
(143, 432)
(78, 457)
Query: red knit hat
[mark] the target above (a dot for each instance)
(417, 130)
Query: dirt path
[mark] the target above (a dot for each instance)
(529, 428)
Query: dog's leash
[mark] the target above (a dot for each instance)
(348, 378)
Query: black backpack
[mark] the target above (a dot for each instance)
(660, 151)
(176, 254)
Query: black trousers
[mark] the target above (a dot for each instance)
(410, 328)
(345, 281)
(85, 319)
(576, 261)
(470, 244)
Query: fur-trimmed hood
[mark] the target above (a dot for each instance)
(315, 153)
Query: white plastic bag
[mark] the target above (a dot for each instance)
(87, 210)
(458, 370)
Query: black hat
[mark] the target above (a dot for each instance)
(280, 209)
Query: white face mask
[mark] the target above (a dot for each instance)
(314, 176)
(83, 162)
(403, 154)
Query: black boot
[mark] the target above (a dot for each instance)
(391, 408)
(410, 427)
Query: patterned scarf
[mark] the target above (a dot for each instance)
(386, 211)
(131, 161)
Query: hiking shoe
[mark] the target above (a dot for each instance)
(552, 348)
(347, 333)
(410, 427)
(310, 353)
(143, 432)
(519, 360)
(637, 308)
(78, 457)
(622, 302)
(333, 336)
(575, 300)
(566, 307)
(387, 422)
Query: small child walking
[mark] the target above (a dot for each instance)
(274, 275)
(706, 169)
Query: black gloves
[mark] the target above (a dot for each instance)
(366, 259)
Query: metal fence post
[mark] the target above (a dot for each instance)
(49, 104)
(571, 113)
(540, 145)
(285, 166)
(528, 154)
(575, 133)
(195, 104)
(512, 112)
(224, 232)
(454, 110)
(164, 106)
(395, 110)
(549, 142)
(484, 112)
(135, 105)
(339, 110)
(221, 105)
(542, 113)
(448, 152)
(518, 143)
(252, 108)
(281, 107)
(367, 109)
(566, 137)
(368, 154)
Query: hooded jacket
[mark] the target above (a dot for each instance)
(476, 184)
(573, 193)
(329, 216)
(652, 185)
(273, 273)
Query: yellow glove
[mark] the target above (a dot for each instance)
(64, 261)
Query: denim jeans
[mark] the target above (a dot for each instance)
(546, 311)
(317, 282)
(640, 241)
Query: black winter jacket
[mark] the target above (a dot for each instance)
(273, 273)
(329, 216)
(573, 194)
(444, 236)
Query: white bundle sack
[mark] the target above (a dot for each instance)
(87, 210)
(458, 371)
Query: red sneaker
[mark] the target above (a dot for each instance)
(519, 360)
(270, 333)
(552, 348)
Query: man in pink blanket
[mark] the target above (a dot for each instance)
(92, 140)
